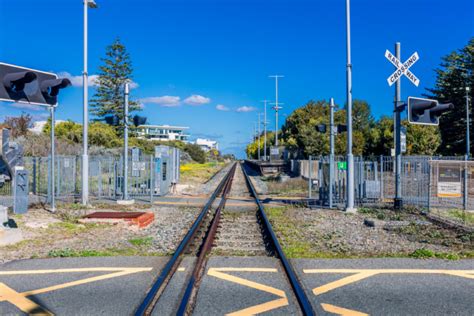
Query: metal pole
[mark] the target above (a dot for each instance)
(85, 121)
(310, 172)
(53, 195)
(125, 145)
(259, 136)
(350, 158)
(276, 107)
(331, 151)
(398, 148)
(466, 173)
(468, 123)
(264, 130)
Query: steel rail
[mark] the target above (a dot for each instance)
(300, 294)
(171, 266)
(206, 248)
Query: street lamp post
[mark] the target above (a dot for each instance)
(468, 151)
(350, 158)
(258, 155)
(276, 107)
(85, 121)
(265, 129)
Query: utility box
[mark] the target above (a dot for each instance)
(20, 190)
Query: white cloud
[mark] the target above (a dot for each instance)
(197, 99)
(222, 107)
(27, 106)
(76, 81)
(166, 100)
(246, 109)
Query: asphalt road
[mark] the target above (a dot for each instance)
(116, 285)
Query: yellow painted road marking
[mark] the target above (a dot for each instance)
(360, 274)
(341, 282)
(252, 310)
(26, 305)
(341, 311)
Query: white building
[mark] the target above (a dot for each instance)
(162, 132)
(38, 126)
(207, 144)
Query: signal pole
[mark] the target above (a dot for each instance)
(125, 145)
(331, 151)
(259, 136)
(350, 158)
(265, 129)
(276, 108)
(398, 146)
(85, 99)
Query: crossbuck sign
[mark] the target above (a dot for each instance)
(402, 68)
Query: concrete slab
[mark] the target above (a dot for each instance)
(9, 236)
(388, 286)
(247, 284)
(76, 286)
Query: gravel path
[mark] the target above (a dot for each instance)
(310, 233)
(47, 234)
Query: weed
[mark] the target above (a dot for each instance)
(424, 253)
(144, 241)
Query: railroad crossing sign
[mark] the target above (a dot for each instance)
(402, 68)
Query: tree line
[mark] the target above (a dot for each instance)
(375, 136)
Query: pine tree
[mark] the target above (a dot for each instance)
(455, 73)
(114, 73)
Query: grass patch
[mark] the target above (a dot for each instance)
(460, 215)
(110, 252)
(296, 187)
(199, 172)
(424, 253)
(144, 241)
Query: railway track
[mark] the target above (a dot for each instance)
(217, 231)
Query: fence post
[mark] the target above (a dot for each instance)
(152, 179)
(429, 184)
(381, 178)
(34, 176)
(465, 191)
(310, 172)
(99, 178)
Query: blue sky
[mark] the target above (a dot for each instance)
(224, 51)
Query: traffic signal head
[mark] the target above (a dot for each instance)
(15, 82)
(426, 111)
(139, 120)
(50, 89)
(25, 85)
(321, 128)
(341, 128)
(112, 120)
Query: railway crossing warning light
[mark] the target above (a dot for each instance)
(340, 128)
(112, 120)
(25, 85)
(139, 120)
(426, 111)
(321, 128)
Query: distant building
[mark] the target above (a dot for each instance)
(38, 126)
(207, 144)
(162, 132)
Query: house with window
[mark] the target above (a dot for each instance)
(162, 132)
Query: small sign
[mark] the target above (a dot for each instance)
(403, 139)
(402, 68)
(449, 182)
(274, 151)
(342, 165)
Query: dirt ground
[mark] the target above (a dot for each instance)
(330, 233)
(63, 235)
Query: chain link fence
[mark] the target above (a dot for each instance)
(441, 185)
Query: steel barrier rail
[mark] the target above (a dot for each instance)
(171, 265)
(300, 294)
